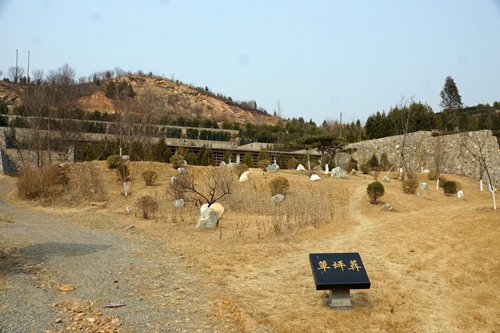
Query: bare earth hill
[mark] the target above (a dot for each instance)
(161, 96)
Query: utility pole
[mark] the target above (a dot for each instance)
(340, 130)
(17, 68)
(28, 71)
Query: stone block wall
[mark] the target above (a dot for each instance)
(420, 151)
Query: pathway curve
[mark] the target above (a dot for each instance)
(40, 253)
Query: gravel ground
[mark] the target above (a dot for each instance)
(148, 286)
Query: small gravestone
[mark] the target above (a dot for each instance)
(278, 198)
(424, 186)
(172, 180)
(354, 172)
(426, 171)
(182, 171)
(208, 219)
(315, 177)
(272, 168)
(179, 203)
(300, 167)
(337, 172)
(387, 208)
(231, 165)
(327, 170)
(223, 164)
(339, 273)
(460, 194)
(386, 179)
(420, 194)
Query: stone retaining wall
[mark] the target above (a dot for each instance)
(420, 151)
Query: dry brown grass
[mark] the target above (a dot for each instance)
(433, 262)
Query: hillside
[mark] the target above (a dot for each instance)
(160, 96)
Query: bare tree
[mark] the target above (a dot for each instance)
(207, 185)
(120, 72)
(476, 143)
(38, 75)
(421, 154)
(440, 159)
(16, 73)
(404, 118)
(64, 75)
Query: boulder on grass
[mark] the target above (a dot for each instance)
(245, 176)
(278, 198)
(179, 203)
(387, 208)
(203, 207)
(218, 208)
(208, 219)
(337, 172)
(301, 168)
(315, 177)
(424, 186)
(215, 206)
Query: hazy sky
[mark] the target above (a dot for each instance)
(317, 58)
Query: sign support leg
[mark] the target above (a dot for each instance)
(340, 299)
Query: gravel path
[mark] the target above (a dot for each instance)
(148, 287)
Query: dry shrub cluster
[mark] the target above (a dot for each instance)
(147, 206)
(87, 183)
(44, 184)
(302, 207)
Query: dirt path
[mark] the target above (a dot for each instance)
(39, 253)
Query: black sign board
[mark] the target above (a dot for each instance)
(338, 271)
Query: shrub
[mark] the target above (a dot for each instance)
(87, 153)
(263, 155)
(364, 168)
(177, 161)
(450, 188)
(375, 191)
(114, 161)
(208, 157)
(410, 186)
(149, 177)
(292, 163)
(240, 168)
(384, 162)
(161, 152)
(136, 151)
(442, 180)
(432, 175)
(190, 158)
(263, 164)
(43, 183)
(123, 171)
(279, 185)
(373, 161)
(147, 205)
(248, 159)
(352, 165)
